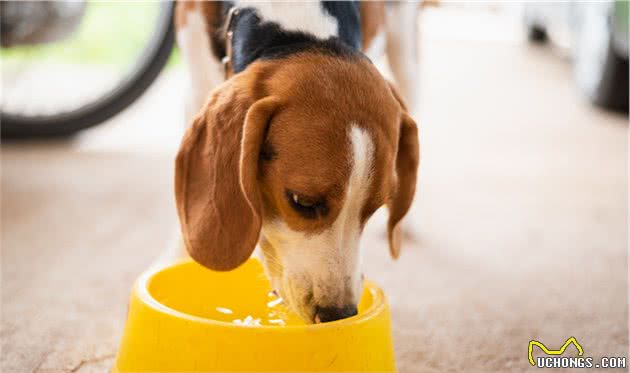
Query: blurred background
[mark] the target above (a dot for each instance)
(518, 231)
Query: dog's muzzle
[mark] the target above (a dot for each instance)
(326, 314)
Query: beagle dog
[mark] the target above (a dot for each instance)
(295, 141)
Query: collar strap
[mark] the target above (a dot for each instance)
(229, 33)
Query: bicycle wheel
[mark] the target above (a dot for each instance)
(108, 103)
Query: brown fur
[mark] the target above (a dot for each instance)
(372, 21)
(181, 10)
(300, 120)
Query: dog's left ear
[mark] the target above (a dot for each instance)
(407, 158)
(216, 186)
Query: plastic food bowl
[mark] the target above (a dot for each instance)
(186, 318)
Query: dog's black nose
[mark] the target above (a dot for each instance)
(326, 314)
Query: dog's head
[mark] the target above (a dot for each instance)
(297, 155)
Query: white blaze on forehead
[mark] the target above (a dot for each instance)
(362, 153)
(307, 17)
(328, 263)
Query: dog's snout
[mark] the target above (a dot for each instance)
(326, 314)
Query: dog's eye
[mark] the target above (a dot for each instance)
(308, 207)
(302, 201)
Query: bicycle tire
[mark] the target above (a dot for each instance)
(65, 124)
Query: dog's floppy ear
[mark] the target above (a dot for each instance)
(407, 159)
(218, 199)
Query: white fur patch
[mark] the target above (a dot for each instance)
(376, 49)
(401, 32)
(327, 263)
(205, 71)
(307, 17)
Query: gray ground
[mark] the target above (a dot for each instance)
(519, 228)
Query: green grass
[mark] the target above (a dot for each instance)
(110, 33)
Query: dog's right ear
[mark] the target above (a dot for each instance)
(407, 159)
(216, 189)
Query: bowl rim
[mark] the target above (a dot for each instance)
(141, 289)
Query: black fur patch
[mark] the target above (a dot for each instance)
(256, 39)
(348, 18)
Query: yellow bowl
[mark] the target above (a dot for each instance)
(180, 319)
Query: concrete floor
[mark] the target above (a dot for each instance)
(519, 227)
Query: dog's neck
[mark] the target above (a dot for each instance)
(255, 35)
